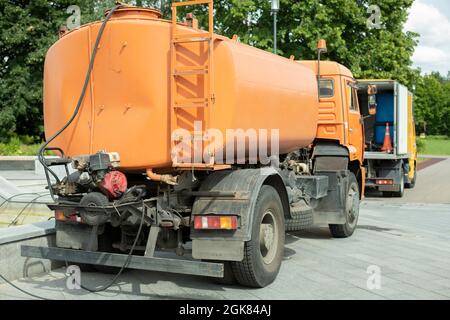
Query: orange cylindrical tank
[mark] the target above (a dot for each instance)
(127, 107)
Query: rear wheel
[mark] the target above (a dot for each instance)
(351, 211)
(264, 252)
(300, 221)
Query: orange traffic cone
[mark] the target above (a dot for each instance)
(387, 145)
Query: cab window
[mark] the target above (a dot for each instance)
(326, 88)
(352, 97)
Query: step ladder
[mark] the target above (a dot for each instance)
(180, 73)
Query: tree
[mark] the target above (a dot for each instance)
(369, 53)
(27, 30)
(446, 111)
(432, 105)
(29, 27)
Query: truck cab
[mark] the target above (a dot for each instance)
(340, 119)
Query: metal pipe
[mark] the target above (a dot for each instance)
(318, 71)
(166, 178)
(275, 32)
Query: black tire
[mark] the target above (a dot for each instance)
(300, 221)
(412, 183)
(264, 252)
(351, 211)
(94, 199)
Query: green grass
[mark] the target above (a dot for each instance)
(19, 146)
(434, 145)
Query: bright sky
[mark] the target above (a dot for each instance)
(431, 19)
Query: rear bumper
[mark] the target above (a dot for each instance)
(181, 266)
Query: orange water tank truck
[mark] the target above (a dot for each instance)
(176, 134)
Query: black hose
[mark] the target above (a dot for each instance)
(14, 221)
(41, 151)
(76, 111)
(81, 99)
(8, 200)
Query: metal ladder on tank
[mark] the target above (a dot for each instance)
(204, 70)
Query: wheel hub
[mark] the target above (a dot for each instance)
(268, 237)
(267, 231)
(352, 205)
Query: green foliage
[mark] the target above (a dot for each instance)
(432, 105)
(29, 27)
(27, 30)
(370, 53)
(420, 143)
(20, 146)
(435, 145)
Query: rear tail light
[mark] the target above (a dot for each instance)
(385, 182)
(215, 222)
(60, 215)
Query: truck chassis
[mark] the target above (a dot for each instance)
(263, 202)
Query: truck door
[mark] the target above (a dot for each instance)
(354, 121)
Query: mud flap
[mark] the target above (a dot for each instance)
(228, 193)
(330, 209)
(205, 249)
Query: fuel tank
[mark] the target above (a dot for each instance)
(130, 103)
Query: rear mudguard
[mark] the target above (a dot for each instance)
(245, 184)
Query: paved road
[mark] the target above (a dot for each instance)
(433, 186)
(32, 186)
(407, 240)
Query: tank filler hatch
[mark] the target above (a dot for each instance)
(130, 12)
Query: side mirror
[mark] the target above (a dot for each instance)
(321, 48)
(372, 105)
(372, 92)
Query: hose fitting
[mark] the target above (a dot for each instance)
(165, 178)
